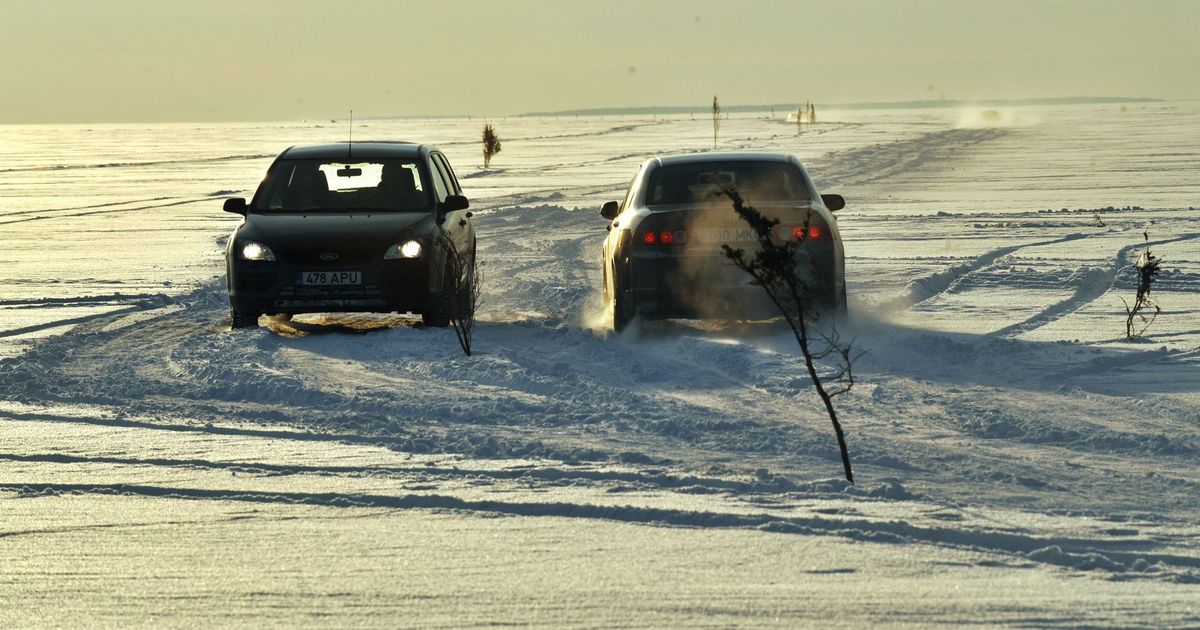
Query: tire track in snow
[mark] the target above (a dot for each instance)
(1154, 560)
(1086, 293)
(879, 162)
(931, 286)
(75, 167)
(89, 207)
(83, 300)
(25, 330)
(545, 196)
(423, 472)
(275, 434)
(73, 215)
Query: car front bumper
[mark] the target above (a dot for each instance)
(274, 287)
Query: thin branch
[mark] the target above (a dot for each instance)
(774, 267)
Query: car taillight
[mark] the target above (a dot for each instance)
(800, 232)
(665, 237)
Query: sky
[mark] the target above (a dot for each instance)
(65, 61)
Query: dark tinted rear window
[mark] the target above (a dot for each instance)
(702, 182)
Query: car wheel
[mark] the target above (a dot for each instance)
(242, 319)
(604, 281)
(623, 310)
(439, 315)
(833, 304)
(463, 295)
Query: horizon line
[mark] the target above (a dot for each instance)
(673, 109)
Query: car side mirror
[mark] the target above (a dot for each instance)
(237, 205)
(833, 202)
(610, 210)
(455, 202)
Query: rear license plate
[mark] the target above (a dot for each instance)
(328, 278)
(724, 235)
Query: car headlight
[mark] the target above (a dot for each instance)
(407, 249)
(255, 251)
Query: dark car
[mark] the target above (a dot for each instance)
(349, 228)
(663, 256)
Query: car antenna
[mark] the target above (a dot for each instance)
(350, 144)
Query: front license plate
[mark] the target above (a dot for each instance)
(328, 278)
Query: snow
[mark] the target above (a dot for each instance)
(1018, 462)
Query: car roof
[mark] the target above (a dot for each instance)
(723, 156)
(370, 149)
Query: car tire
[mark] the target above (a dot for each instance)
(623, 311)
(843, 307)
(439, 315)
(833, 305)
(242, 319)
(464, 294)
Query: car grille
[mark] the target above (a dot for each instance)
(313, 257)
(329, 293)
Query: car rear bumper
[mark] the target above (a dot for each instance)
(710, 303)
(712, 287)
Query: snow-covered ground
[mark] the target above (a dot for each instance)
(1018, 463)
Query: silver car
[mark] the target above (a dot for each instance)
(663, 255)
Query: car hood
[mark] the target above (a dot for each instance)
(343, 232)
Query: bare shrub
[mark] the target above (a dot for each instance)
(491, 144)
(1147, 267)
(774, 268)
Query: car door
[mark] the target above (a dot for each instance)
(616, 244)
(457, 223)
(454, 222)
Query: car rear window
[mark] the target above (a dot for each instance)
(327, 185)
(703, 182)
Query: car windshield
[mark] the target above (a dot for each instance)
(703, 182)
(384, 184)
